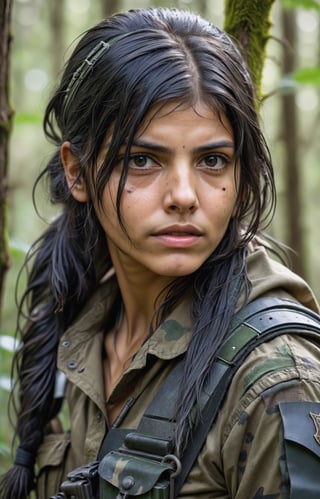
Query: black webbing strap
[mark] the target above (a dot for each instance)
(158, 421)
(258, 322)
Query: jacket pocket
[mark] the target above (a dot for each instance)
(51, 463)
(301, 425)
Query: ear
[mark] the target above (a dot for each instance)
(71, 167)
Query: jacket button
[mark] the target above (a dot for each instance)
(99, 416)
(66, 344)
(72, 364)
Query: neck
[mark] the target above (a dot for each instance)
(141, 292)
(141, 296)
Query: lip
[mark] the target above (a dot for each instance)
(180, 229)
(179, 235)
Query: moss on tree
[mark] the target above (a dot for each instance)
(5, 129)
(248, 21)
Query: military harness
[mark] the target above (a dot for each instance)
(141, 463)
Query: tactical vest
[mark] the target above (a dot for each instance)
(142, 463)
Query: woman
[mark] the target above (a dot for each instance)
(164, 179)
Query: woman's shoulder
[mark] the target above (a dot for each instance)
(247, 441)
(244, 449)
(269, 275)
(286, 368)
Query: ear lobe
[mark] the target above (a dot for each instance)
(71, 167)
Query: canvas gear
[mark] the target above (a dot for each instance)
(142, 463)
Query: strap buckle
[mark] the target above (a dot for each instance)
(176, 470)
(82, 483)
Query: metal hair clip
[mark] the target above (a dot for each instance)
(86, 66)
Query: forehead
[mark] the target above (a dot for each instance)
(176, 115)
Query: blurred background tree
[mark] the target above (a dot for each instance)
(43, 39)
(5, 129)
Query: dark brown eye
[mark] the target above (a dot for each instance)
(213, 162)
(140, 161)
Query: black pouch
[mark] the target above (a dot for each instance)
(301, 424)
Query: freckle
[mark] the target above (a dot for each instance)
(129, 191)
(183, 146)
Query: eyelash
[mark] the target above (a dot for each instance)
(146, 157)
(217, 157)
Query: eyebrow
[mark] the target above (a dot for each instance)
(145, 144)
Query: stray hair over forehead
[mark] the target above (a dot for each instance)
(154, 34)
(86, 67)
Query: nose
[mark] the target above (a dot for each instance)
(181, 193)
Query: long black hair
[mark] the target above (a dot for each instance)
(165, 55)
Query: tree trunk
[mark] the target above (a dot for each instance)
(203, 7)
(249, 22)
(291, 145)
(109, 7)
(57, 16)
(5, 127)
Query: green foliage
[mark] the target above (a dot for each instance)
(303, 4)
(250, 24)
(4, 455)
(307, 76)
(5, 432)
(291, 83)
(7, 347)
(28, 119)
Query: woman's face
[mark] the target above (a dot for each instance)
(179, 195)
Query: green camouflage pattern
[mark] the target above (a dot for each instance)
(244, 456)
(132, 475)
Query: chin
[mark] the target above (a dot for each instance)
(179, 272)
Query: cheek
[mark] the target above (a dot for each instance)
(129, 189)
(106, 211)
(228, 197)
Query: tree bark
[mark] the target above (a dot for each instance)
(109, 7)
(57, 16)
(248, 21)
(291, 142)
(5, 128)
(203, 7)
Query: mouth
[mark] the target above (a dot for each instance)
(182, 236)
(179, 231)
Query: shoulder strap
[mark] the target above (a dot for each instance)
(259, 321)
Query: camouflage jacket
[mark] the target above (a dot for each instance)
(243, 457)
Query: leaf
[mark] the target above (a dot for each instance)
(5, 383)
(307, 76)
(27, 119)
(18, 249)
(4, 449)
(288, 85)
(304, 4)
(8, 343)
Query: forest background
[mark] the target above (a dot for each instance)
(43, 35)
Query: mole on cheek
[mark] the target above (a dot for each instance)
(224, 188)
(128, 190)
